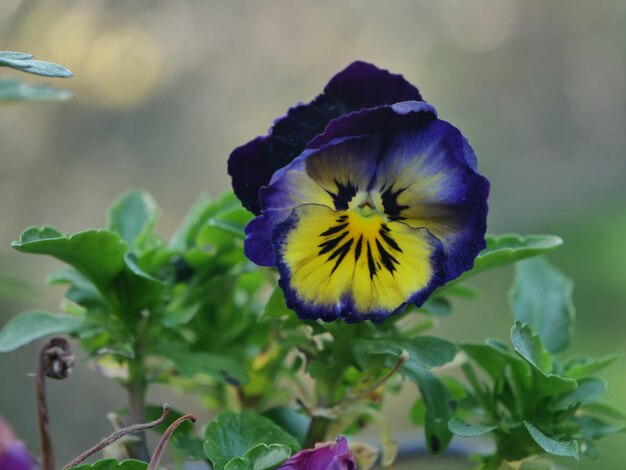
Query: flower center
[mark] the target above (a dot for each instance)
(367, 204)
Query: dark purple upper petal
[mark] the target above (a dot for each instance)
(358, 86)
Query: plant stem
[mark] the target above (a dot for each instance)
(317, 431)
(134, 428)
(55, 361)
(158, 452)
(42, 413)
(136, 387)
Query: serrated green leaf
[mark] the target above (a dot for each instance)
(541, 296)
(509, 248)
(260, 457)
(231, 435)
(593, 428)
(12, 89)
(494, 360)
(112, 464)
(605, 409)
(550, 445)
(32, 325)
(101, 256)
(25, 63)
(464, 429)
(530, 347)
(587, 392)
(200, 213)
(190, 363)
(97, 254)
(289, 419)
(425, 351)
(133, 216)
(582, 365)
(438, 411)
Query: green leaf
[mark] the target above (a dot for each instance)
(134, 215)
(437, 307)
(592, 428)
(112, 464)
(12, 89)
(463, 428)
(232, 435)
(552, 446)
(260, 457)
(588, 391)
(97, 254)
(190, 363)
(541, 296)
(276, 306)
(29, 326)
(605, 409)
(582, 365)
(289, 419)
(495, 360)
(200, 213)
(425, 351)
(15, 55)
(437, 404)
(528, 345)
(101, 256)
(25, 63)
(509, 248)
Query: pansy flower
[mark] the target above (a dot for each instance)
(325, 456)
(366, 201)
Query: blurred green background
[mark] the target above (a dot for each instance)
(164, 90)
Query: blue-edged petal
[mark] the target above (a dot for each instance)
(344, 264)
(331, 175)
(359, 86)
(427, 178)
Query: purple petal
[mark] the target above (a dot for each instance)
(312, 177)
(430, 175)
(257, 246)
(327, 456)
(419, 146)
(13, 453)
(360, 85)
(15, 456)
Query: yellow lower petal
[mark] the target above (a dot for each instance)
(339, 258)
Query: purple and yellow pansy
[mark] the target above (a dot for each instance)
(365, 200)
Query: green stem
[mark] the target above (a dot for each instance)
(136, 387)
(317, 431)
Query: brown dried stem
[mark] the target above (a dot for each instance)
(158, 452)
(134, 428)
(55, 361)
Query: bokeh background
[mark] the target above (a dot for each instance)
(164, 90)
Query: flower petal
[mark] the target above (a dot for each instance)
(330, 176)
(428, 172)
(360, 85)
(327, 456)
(344, 264)
(427, 178)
